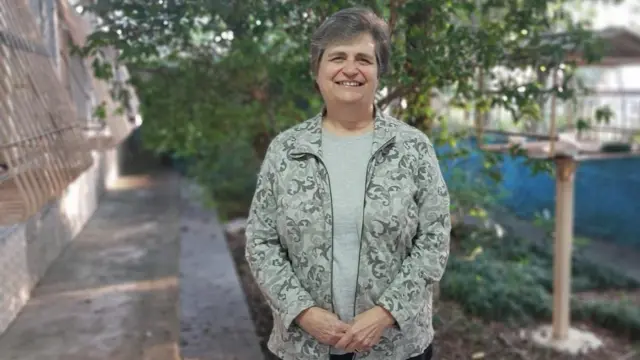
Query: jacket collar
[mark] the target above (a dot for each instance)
(308, 135)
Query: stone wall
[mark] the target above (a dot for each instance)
(28, 249)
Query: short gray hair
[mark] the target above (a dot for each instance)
(347, 24)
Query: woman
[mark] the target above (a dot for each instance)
(349, 226)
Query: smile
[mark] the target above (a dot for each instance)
(349, 83)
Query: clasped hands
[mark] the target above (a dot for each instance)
(359, 336)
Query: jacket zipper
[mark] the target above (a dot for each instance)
(364, 199)
(332, 235)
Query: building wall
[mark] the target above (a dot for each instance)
(28, 249)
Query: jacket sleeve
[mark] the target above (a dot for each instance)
(267, 258)
(405, 296)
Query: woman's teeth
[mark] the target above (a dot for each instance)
(349, 83)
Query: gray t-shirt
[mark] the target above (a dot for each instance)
(346, 159)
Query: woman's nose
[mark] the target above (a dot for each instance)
(350, 68)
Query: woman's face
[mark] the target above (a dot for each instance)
(348, 71)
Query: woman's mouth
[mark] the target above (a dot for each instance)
(349, 83)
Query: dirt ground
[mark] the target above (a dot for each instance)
(112, 293)
(459, 337)
(260, 311)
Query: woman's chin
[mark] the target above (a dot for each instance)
(350, 98)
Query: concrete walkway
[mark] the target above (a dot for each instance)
(112, 294)
(215, 320)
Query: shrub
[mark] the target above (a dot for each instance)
(228, 172)
(495, 290)
(622, 316)
(510, 279)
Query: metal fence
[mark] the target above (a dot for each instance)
(42, 144)
(623, 126)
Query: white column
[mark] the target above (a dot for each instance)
(565, 173)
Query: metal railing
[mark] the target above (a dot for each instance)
(42, 145)
(623, 125)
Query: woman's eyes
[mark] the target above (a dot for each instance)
(361, 61)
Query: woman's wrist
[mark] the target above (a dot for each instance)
(386, 317)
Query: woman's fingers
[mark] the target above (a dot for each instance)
(358, 343)
(345, 340)
(357, 347)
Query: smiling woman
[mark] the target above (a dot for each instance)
(348, 71)
(349, 225)
(350, 49)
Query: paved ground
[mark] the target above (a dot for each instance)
(112, 294)
(149, 278)
(215, 320)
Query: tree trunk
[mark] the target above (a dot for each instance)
(260, 143)
(415, 40)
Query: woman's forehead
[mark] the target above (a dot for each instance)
(362, 43)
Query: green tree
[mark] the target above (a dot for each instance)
(214, 72)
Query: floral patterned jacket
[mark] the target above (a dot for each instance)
(404, 245)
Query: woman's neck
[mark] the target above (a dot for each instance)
(348, 120)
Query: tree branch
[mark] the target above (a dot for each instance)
(393, 17)
(394, 94)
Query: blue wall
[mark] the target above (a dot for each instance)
(607, 194)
